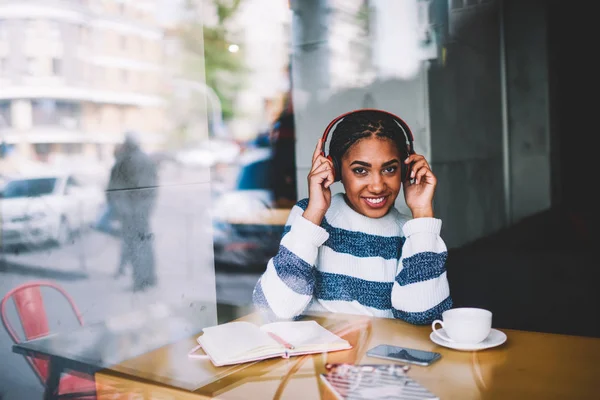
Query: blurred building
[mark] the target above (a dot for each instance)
(76, 74)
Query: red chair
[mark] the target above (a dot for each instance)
(30, 308)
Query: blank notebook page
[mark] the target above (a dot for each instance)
(300, 333)
(236, 338)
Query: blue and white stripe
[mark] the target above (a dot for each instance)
(388, 267)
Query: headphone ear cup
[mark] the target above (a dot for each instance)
(405, 169)
(336, 172)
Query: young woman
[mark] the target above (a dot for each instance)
(354, 252)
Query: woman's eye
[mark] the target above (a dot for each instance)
(359, 171)
(390, 170)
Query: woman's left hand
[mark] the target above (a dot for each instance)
(419, 194)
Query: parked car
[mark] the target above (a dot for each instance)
(247, 226)
(47, 208)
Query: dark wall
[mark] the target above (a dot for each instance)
(541, 274)
(573, 41)
(465, 113)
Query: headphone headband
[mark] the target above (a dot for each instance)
(408, 136)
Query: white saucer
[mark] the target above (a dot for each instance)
(495, 338)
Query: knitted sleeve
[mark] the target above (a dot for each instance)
(420, 292)
(286, 287)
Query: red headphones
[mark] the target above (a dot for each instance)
(403, 126)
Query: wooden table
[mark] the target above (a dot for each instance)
(100, 345)
(529, 365)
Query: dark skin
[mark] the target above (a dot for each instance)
(371, 176)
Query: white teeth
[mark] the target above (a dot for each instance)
(375, 201)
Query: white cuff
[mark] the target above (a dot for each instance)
(422, 225)
(306, 229)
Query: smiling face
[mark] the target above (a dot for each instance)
(371, 175)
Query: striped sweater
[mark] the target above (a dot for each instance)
(391, 267)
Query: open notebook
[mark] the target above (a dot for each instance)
(238, 342)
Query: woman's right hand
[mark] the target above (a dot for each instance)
(320, 178)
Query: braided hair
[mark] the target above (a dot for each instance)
(357, 126)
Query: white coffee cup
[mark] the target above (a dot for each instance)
(464, 325)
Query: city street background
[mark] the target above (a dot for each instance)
(85, 268)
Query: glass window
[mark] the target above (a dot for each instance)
(42, 149)
(72, 148)
(100, 74)
(31, 66)
(5, 120)
(56, 112)
(29, 187)
(56, 66)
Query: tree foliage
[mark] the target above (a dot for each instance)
(207, 49)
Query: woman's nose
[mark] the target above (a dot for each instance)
(377, 183)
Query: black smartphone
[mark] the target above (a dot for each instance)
(404, 354)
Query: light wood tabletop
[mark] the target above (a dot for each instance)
(529, 365)
(268, 216)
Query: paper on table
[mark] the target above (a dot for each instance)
(238, 342)
(242, 337)
(303, 333)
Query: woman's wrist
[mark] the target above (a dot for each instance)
(314, 216)
(422, 212)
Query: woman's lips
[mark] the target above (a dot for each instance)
(375, 202)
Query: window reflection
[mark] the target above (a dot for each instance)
(56, 112)
(28, 188)
(201, 92)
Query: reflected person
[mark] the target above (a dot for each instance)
(104, 223)
(354, 252)
(283, 161)
(132, 191)
(107, 217)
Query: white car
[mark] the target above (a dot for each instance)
(47, 208)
